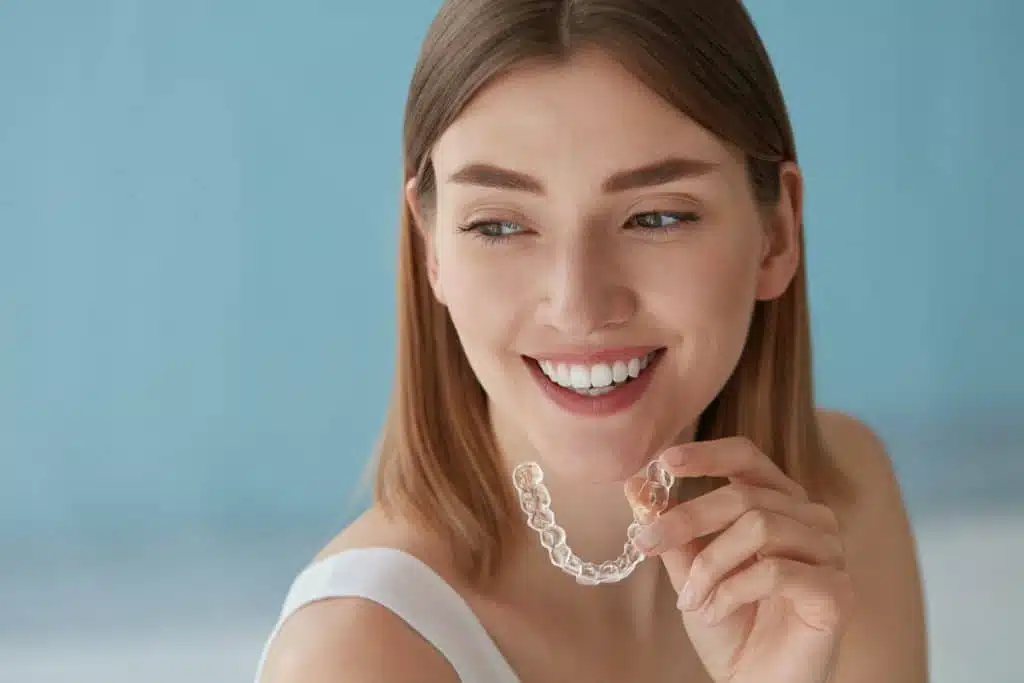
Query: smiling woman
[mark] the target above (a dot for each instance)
(563, 260)
(600, 272)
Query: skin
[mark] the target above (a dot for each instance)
(774, 591)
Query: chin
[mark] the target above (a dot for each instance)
(597, 454)
(603, 435)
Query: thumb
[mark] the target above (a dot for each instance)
(647, 508)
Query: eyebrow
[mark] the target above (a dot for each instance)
(650, 175)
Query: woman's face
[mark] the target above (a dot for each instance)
(600, 255)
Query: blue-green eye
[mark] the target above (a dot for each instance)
(492, 231)
(662, 220)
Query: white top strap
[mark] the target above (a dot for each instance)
(415, 593)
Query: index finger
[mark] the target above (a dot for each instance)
(735, 458)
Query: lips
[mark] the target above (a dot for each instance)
(603, 387)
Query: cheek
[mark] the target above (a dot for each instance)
(482, 300)
(731, 290)
(707, 301)
(712, 289)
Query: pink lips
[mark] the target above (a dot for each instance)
(611, 403)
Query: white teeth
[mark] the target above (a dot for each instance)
(620, 371)
(597, 379)
(580, 377)
(600, 376)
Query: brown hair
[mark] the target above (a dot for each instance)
(437, 461)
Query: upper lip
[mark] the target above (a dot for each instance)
(591, 355)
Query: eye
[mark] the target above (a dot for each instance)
(662, 220)
(492, 231)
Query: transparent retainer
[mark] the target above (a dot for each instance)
(535, 500)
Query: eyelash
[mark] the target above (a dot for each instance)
(682, 218)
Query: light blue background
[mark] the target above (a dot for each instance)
(197, 234)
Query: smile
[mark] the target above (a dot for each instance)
(602, 383)
(598, 379)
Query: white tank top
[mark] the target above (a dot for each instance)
(415, 593)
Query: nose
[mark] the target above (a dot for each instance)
(587, 291)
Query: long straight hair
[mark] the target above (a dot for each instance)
(437, 462)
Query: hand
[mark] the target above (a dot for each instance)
(758, 567)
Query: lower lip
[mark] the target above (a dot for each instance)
(615, 401)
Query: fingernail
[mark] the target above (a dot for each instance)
(687, 597)
(649, 537)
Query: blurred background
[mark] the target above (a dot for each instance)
(198, 204)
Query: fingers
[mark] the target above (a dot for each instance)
(758, 539)
(677, 561)
(756, 534)
(819, 596)
(735, 458)
(717, 510)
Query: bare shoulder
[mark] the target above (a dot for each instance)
(352, 639)
(886, 640)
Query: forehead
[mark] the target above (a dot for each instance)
(587, 116)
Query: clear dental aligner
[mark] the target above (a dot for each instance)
(535, 500)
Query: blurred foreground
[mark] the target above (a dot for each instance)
(200, 613)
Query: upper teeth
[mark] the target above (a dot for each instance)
(594, 376)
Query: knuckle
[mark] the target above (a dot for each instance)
(759, 525)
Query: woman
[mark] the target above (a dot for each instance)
(601, 265)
